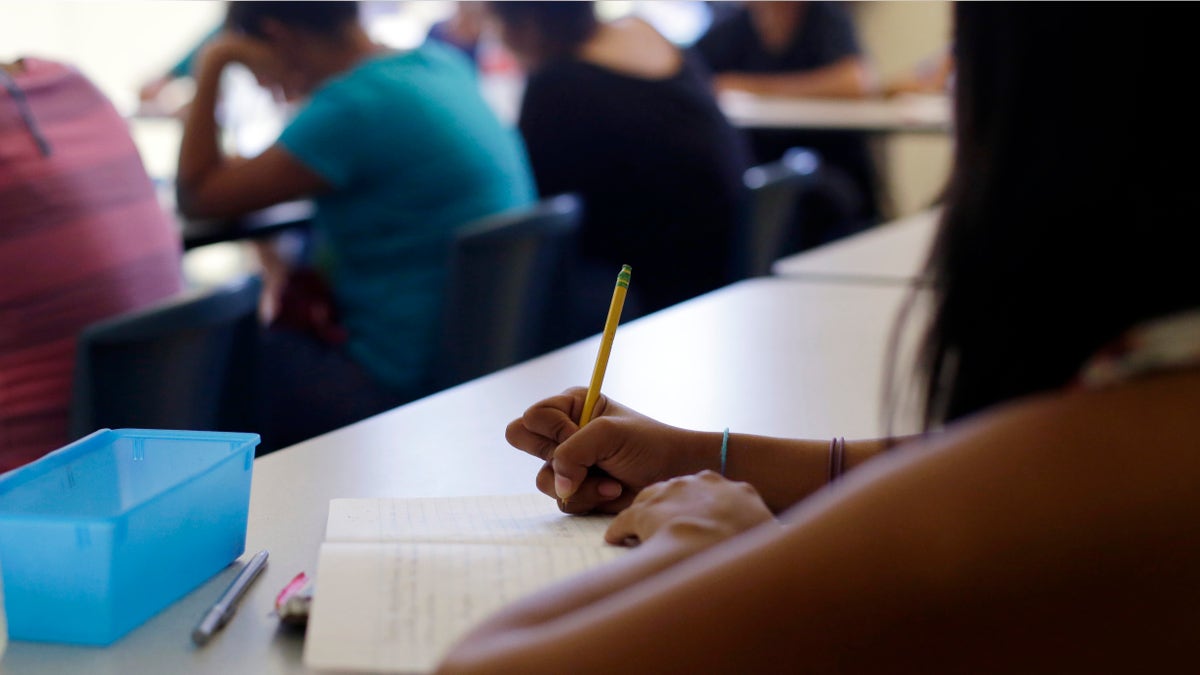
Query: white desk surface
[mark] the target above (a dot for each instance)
(768, 356)
(892, 253)
(911, 113)
(907, 113)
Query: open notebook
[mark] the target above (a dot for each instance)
(399, 581)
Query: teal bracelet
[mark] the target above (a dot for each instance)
(724, 448)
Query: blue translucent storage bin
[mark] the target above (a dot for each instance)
(102, 534)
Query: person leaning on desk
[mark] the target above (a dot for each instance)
(397, 149)
(1045, 523)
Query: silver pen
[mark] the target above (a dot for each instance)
(224, 608)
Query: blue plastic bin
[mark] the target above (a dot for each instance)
(102, 534)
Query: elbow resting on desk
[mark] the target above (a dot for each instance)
(850, 77)
(196, 203)
(203, 196)
(239, 186)
(186, 203)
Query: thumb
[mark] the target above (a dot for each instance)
(567, 477)
(574, 456)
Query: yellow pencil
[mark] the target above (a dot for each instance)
(606, 340)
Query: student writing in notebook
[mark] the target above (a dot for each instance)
(1044, 524)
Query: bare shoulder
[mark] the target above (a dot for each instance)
(1153, 418)
(1124, 451)
(1063, 523)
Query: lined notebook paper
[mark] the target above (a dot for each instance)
(399, 581)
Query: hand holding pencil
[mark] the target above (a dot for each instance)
(562, 485)
(604, 469)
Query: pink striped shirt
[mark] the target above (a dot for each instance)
(82, 238)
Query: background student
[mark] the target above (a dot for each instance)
(398, 150)
(803, 49)
(83, 239)
(1035, 528)
(615, 112)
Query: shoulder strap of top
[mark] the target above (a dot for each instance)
(1169, 343)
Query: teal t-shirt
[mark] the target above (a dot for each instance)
(412, 152)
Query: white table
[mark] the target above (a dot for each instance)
(892, 253)
(769, 356)
(908, 113)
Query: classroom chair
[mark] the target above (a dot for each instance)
(774, 190)
(187, 363)
(498, 299)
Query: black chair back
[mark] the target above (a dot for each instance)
(498, 298)
(189, 363)
(774, 190)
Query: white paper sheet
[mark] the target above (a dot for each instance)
(400, 580)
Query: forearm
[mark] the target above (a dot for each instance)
(849, 78)
(490, 638)
(200, 151)
(785, 470)
(782, 470)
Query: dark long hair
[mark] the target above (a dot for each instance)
(319, 18)
(562, 27)
(1059, 231)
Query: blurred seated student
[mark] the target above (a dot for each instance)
(1046, 526)
(83, 239)
(788, 49)
(616, 113)
(808, 49)
(931, 76)
(398, 150)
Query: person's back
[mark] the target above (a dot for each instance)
(83, 238)
(628, 122)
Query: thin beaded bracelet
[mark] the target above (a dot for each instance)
(724, 448)
(837, 457)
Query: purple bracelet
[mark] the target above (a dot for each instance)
(837, 457)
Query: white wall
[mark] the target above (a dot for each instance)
(898, 36)
(117, 43)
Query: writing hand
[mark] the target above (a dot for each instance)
(603, 466)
